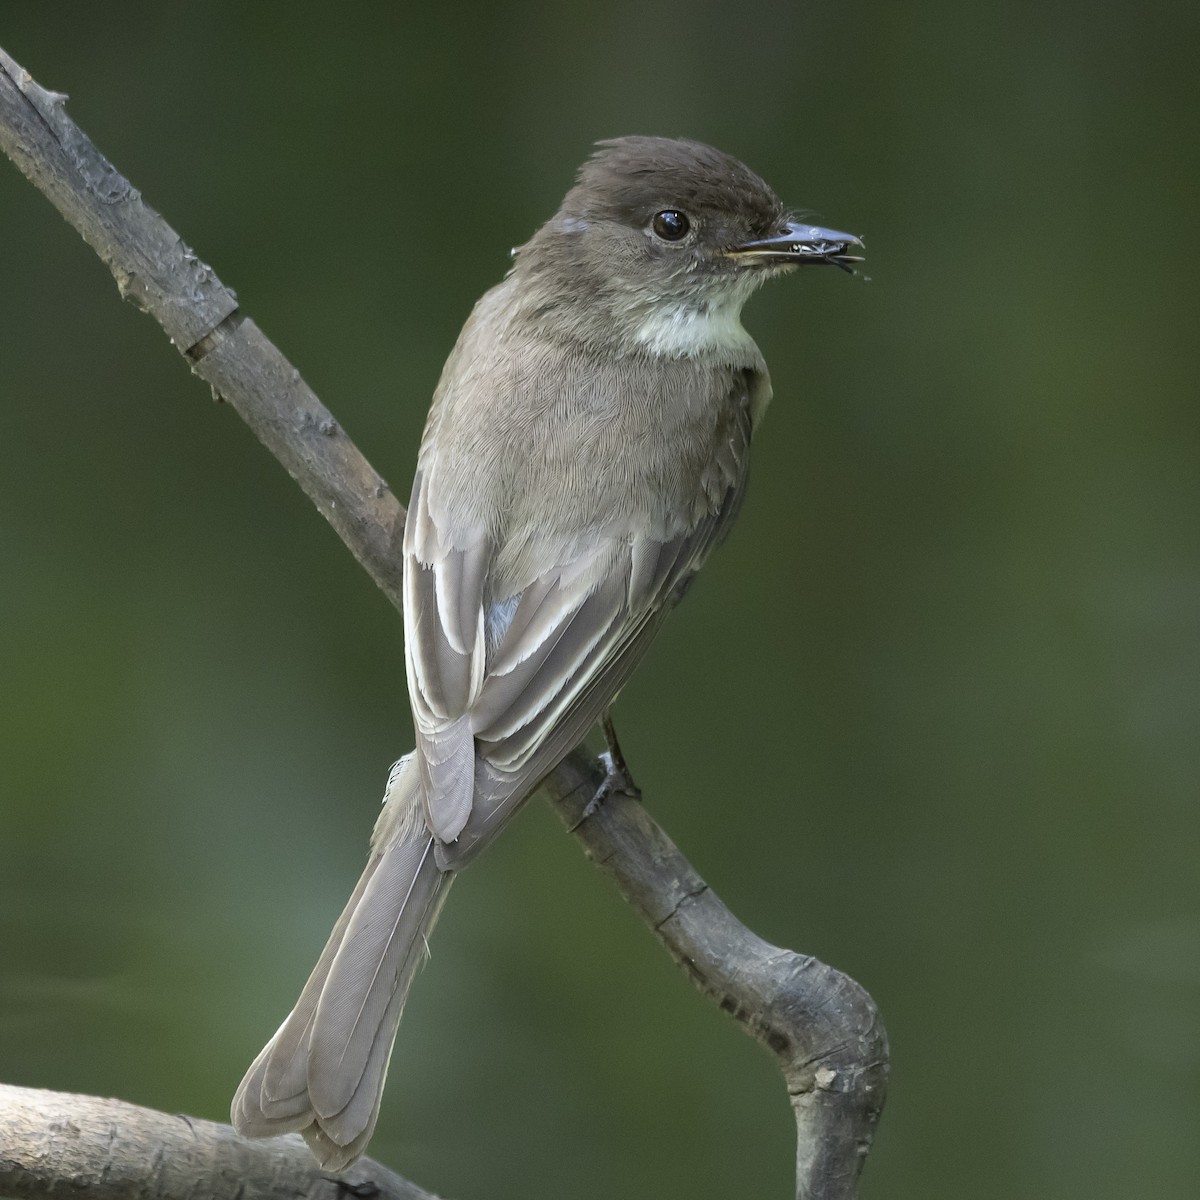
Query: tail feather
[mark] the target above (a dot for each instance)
(323, 1071)
(273, 1096)
(285, 1074)
(382, 948)
(339, 1140)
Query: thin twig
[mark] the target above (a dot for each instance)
(823, 1028)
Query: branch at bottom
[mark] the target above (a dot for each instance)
(58, 1144)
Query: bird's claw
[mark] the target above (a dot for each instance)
(616, 779)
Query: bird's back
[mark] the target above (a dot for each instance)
(575, 441)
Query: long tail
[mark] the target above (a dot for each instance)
(323, 1071)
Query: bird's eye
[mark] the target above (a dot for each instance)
(670, 225)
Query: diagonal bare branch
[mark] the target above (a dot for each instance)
(822, 1026)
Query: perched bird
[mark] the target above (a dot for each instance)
(586, 449)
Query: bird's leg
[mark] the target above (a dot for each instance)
(616, 773)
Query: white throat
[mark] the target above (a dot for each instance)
(697, 328)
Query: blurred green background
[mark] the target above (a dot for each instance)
(931, 714)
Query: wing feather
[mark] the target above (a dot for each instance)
(566, 693)
(504, 687)
(445, 651)
(510, 701)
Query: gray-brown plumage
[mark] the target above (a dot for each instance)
(586, 448)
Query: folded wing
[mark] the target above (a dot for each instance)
(499, 698)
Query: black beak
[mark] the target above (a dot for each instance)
(799, 243)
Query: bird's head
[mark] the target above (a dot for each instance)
(663, 230)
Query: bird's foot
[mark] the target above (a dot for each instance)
(616, 774)
(616, 779)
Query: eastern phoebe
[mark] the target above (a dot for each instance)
(586, 448)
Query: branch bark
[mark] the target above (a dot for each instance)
(823, 1028)
(57, 1144)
